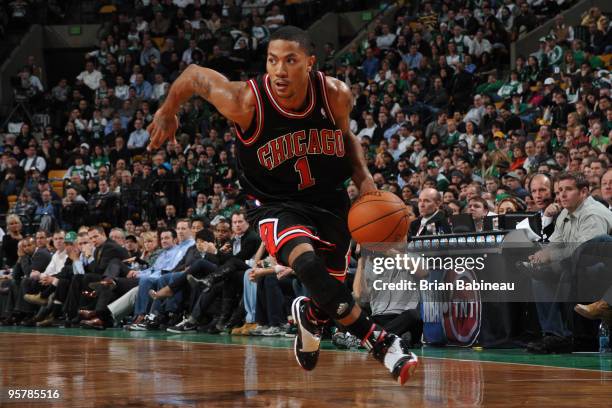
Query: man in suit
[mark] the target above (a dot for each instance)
(108, 255)
(232, 257)
(41, 256)
(106, 265)
(432, 220)
(35, 257)
(103, 207)
(245, 241)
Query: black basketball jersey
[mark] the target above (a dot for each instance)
(287, 155)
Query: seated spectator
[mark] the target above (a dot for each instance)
(478, 208)
(25, 207)
(138, 139)
(513, 181)
(154, 280)
(103, 206)
(84, 171)
(431, 221)
(160, 88)
(40, 285)
(275, 19)
(142, 87)
(90, 77)
(46, 213)
(74, 209)
(119, 151)
(32, 160)
(508, 205)
(581, 220)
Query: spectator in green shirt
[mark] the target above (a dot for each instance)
(99, 158)
(598, 138)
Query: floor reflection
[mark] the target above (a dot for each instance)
(100, 372)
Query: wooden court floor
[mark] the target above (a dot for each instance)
(119, 369)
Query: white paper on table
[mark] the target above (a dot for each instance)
(524, 225)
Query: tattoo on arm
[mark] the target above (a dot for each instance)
(202, 85)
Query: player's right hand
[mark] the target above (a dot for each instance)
(162, 128)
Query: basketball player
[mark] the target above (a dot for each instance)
(295, 152)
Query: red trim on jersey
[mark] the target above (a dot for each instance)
(259, 117)
(284, 112)
(291, 236)
(325, 97)
(295, 227)
(274, 240)
(266, 233)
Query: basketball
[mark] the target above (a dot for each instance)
(379, 216)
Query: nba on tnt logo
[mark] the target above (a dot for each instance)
(451, 316)
(462, 316)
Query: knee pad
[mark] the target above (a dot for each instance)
(328, 293)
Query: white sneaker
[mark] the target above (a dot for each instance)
(308, 336)
(393, 352)
(258, 331)
(274, 331)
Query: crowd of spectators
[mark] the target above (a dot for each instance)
(443, 121)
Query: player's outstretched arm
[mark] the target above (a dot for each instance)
(341, 101)
(234, 100)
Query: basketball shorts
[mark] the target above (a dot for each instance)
(284, 225)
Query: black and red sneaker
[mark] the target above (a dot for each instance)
(393, 352)
(308, 336)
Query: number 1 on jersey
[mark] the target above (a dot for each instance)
(303, 169)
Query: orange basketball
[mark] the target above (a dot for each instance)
(379, 216)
